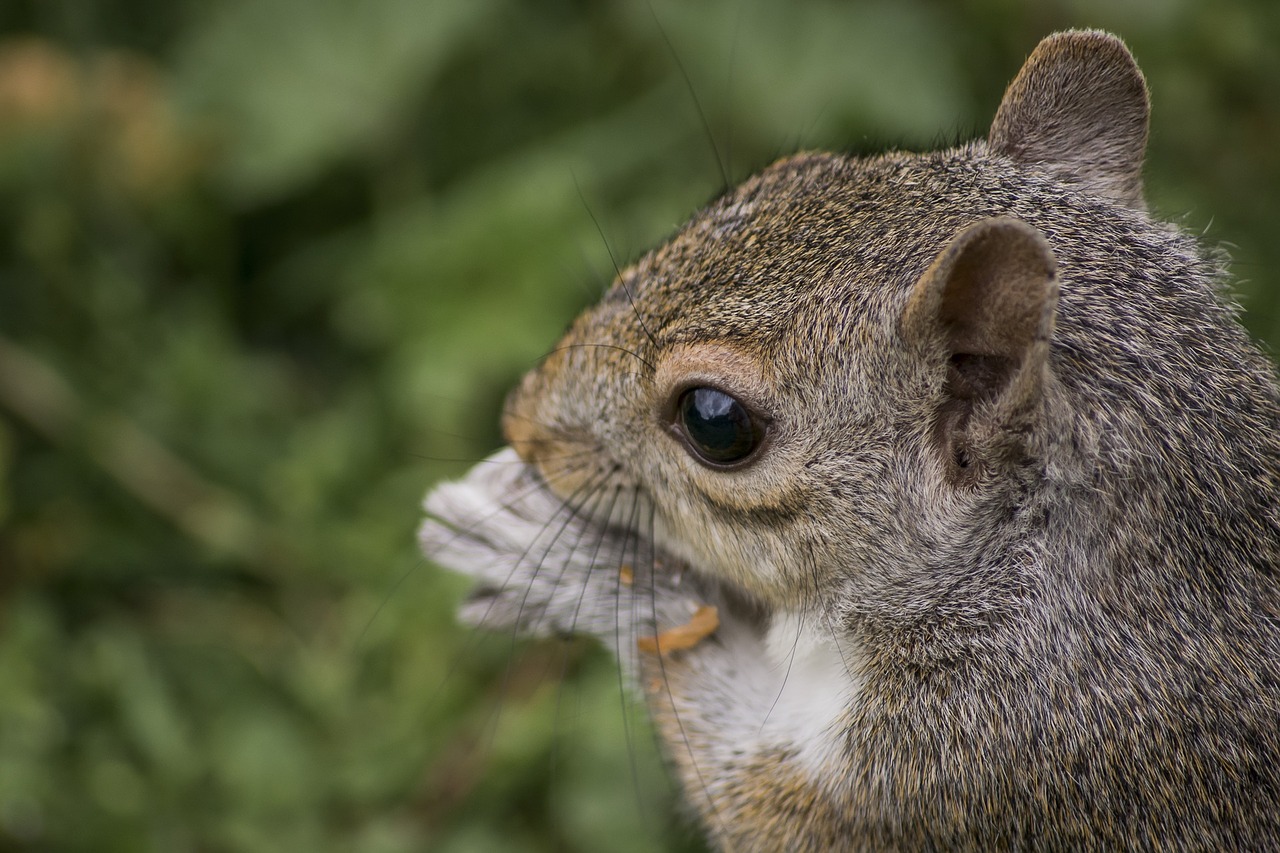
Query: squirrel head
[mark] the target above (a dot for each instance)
(846, 363)
(974, 436)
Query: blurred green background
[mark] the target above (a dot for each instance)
(266, 272)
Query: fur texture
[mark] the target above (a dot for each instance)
(1012, 528)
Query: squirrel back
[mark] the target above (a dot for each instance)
(977, 469)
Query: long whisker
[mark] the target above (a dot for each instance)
(418, 564)
(713, 812)
(650, 570)
(835, 641)
(590, 508)
(574, 456)
(693, 95)
(621, 279)
(728, 91)
(474, 638)
(636, 542)
(586, 205)
(786, 676)
(613, 502)
(569, 505)
(572, 509)
(589, 345)
(586, 508)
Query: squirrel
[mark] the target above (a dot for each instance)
(971, 464)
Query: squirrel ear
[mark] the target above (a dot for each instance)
(1079, 108)
(986, 306)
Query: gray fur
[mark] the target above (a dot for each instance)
(1064, 637)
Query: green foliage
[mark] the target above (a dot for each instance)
(266, 271)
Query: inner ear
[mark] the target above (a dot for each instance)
(991, 296)
(984, 312)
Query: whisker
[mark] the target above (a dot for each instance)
(651, 570)
(728, 90)
(418, 564)
(556, 430)
(588, 345)
(693, 95)
(588, 507)
(566, 504)
(786, 676)
(586, 510)
(474, 638)
(600, 538)
(571, 509)
(835, 641)
(713, 813)
(586, 205)
(634, 540)
(563, 685)
(621, 279)
(544, 457)
(484, 460)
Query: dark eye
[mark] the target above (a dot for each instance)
(720, 429)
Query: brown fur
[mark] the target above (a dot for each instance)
(1021, 458)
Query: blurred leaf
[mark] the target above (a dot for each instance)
(291, 254)
(297, 84)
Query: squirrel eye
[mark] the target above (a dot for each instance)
(720, 429)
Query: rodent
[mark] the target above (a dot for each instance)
(978, 468)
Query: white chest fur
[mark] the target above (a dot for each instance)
(806, 683)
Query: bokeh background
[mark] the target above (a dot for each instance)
(267, 268)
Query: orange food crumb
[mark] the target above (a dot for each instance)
(626, 575)
(701, 625)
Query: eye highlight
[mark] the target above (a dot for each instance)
(719, 429)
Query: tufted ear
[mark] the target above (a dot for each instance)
(1079, 109)
(986, 309)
